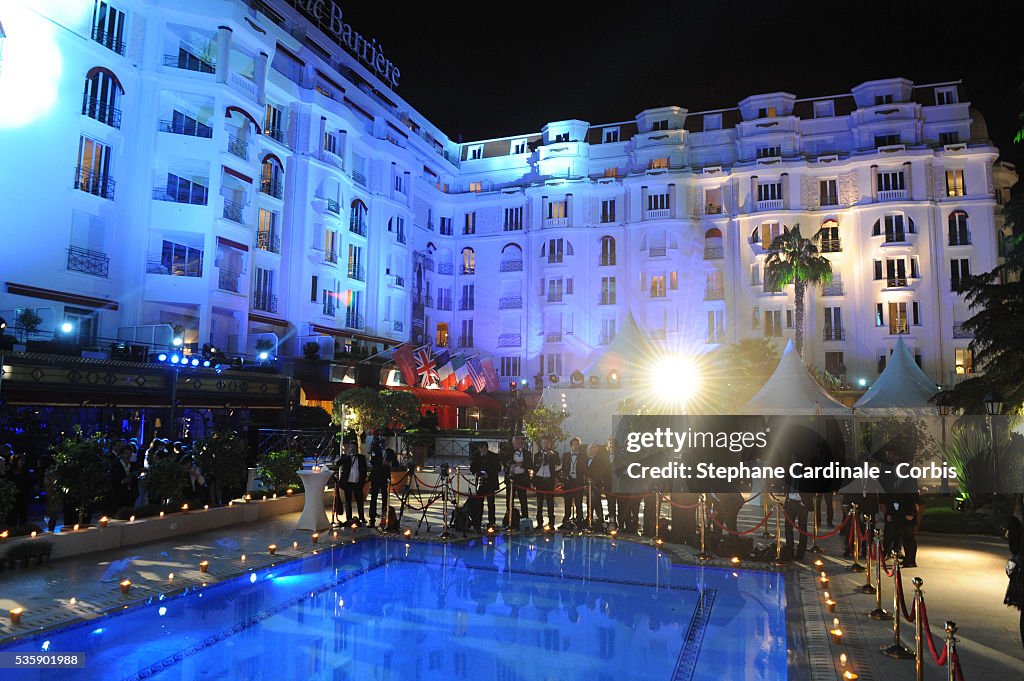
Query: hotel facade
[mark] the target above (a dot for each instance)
(246, 175)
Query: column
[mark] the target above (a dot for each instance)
(672, 200)
(785, 191)
(874, 183)
(907, 179)
(223, 53)
(261, 78)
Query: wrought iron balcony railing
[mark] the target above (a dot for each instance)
(88, 261)
(97, 184)
(356, 272)
(510, 303)
(233, 210)
(272, 186)
(510, 340)
(238, 147)
(108, 40)
(263, 301)
(833, 333)
(228, 280)
(102, 112)
(268, 241)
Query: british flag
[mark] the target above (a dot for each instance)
(426, 368)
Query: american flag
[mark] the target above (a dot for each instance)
(476, 374)
(425, 366)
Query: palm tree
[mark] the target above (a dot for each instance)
(794, 259)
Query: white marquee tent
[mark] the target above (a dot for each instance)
(792, 391)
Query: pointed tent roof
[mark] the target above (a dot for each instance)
(791, 390)
(901, 388)
(620, 355)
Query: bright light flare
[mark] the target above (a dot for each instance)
(674, 380)
(32, 67)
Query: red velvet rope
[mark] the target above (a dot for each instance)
(673, 504)
(956, 665)
(752, 530)
(908, 616)
(815, 536)
(939, 659)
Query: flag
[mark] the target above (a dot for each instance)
(402, 356)
(444, 365)
(426, 368)
(476, 374)
(490, 375)
(459, 366)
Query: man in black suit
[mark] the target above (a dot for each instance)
(486, 465)
(381, 463)
(124, 480)
(797, 507)
(596, 471)
(517, 471)
(353, 475)
(546, 463)
(573, 481)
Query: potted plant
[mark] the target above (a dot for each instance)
(165, 481)
(310, 367)
(311, 351)
(279, 468)
(222, 458)
(545, 421)
(28, 321)
(81, 469)
(8, 491)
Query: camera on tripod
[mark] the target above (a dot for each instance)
(446, 470)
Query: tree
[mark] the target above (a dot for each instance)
(81, 468)
(545, 421)
(368, 409)
(222, 459)
(794, 259)
(280, 468)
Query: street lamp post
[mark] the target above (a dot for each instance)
(993, 407)
(944, 409)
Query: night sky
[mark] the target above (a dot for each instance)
(488, 74)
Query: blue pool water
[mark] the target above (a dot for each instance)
(515, 610)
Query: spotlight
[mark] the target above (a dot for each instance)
(674, 379)
(263, 356)
(178, 340)
(175, 359)
(67, 327)
(206, 362)
(3, 324)
(195, 362)
(862, 382)
(162, 357)
(523, 382)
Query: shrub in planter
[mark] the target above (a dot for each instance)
(165, 481)
(279, 468)
(8, 491)
(80, 467)
(222, 458)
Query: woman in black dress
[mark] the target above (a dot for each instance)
(1014, 568)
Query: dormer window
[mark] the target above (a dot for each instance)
(883, 99)
(562, 137)
(766, 112)
(660, 124)
(769, 152)
(825, 108)
(712, 121)
(611, 135)
(945, 95)
(518, 146)
(475, 152)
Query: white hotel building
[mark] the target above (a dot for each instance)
(233, 172)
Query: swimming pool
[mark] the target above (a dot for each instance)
(516, 609)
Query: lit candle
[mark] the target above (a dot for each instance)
(659, 541)
(248, 497)
(818, 563)
(74, 528)
(490, 530)
(33, 535)
(735, 560)
(274, 496)
(836, 632)
(295, 545)
(4, 534)
(315, 537)
(204, 566)
(131, 518)
(850, 676)
(272, 549)
(613, 532)
(823, 580)
(126, 584)
(842, 659)
(170, 577)
(231, 503)
(830, 602)
(161, 514)
(16, 615)
(288, 492)
(206, 507)
(104, 521)
(408, 533)
(243, 557)
(184, 508)
(73, 601)
(335, 534)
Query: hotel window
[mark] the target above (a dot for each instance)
(716, 324)
(712, 121)
(833, 323)
(607, 332)
(267, 238)
(466, 340)
(660, 124)
(828, 192)
(834, 363)
(330, 142)
(960, 269)
(611, 172)
(915, 314)
(945, 95)
(883, 99)
(183, 124)
(400, 183)
(518, 147)
(658, 201)
(879, 314)
(951, 137)
(895, 272)
(755, 274)
(824, 108)
(445, 226)
(468, 301)
(772, 323)
(898, 319)
(444, 299)
(657, 286)
(769, 191)
(963, 360)
(273, 123)
(658, 163)
(955, 183)
(562, 137)
(184, 190)
(92, 174)
(895, 231)
(607, 251)
(769, 232)
(313, 287)
(607, 291)
(713, 201)
(108, 26)
(755, 318)
(99, 102)
(469, 223)
(887, 140)
(766, 112)
(611, 135)
(608, 210)
(957, 224)
(355, 262)
(789, 318)
(769, 152)
(828, 237)
(468, 261)
(475, 152)
(891, 181)
(180, 260)
(476, 187)
(509, 367)
(553, 249)
(513, 219)
(558, 210)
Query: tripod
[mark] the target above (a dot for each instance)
(444, 488)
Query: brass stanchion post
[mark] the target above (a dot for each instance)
(766, 512)
(951, 629)
(896, 649)
(817, 508)
(867, 587)
(778, 562)
(590, 507)
(657, 519)
(879, 613)
(918, 630)
(854, 523)
(702, 511)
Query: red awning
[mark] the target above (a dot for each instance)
(325, 392)
(451, 398)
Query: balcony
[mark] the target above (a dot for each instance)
(510, 340)
(606, 298)
(554, 296)
(960, 332)
(353, 320)
(102, 112)
(960, 239)
(511, 266)
(276, 134)
(713, 293)
(830, 246)
(329, 307)
(233, 210)
(833, 333)
(196, 195)
(714, 252)
(834, 288)
(553, 337)
(555, 258)
(444, 304)
(468, 269)
(333, 206)
(356, 272)
(398, 326)
(272, 186)
(270, 242)
(895, 282)
(238, 147)
(191, 268)
(189, 62)
(466, 304)
(333, 159)
(229, 281)
(265, 302)
(358, 177)
(510, 303)
(657, 252)
(357, 225)
(892, 195)
(465, 341)
(556, 222)
(97, 184)
(445, 268)
(770, 204)
(712, 209)
(87, 261)
(331, 257)
(108, 40)
(186, 128)
(657, 292)
(657, 214)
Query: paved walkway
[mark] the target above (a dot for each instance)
(963, 575)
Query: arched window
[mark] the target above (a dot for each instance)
(272, 176)
(895, 227)
(607, 251)
(958, 234)
(828, 237)
(713, 249)
(357, 221)
(468, 261)
(102, 93)
(512, 258)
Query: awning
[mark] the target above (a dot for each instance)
(325, 392)
(451, 398)
(343, 333)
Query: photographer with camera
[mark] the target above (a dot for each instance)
(517, 474)
(546, 464)
(485, 465)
